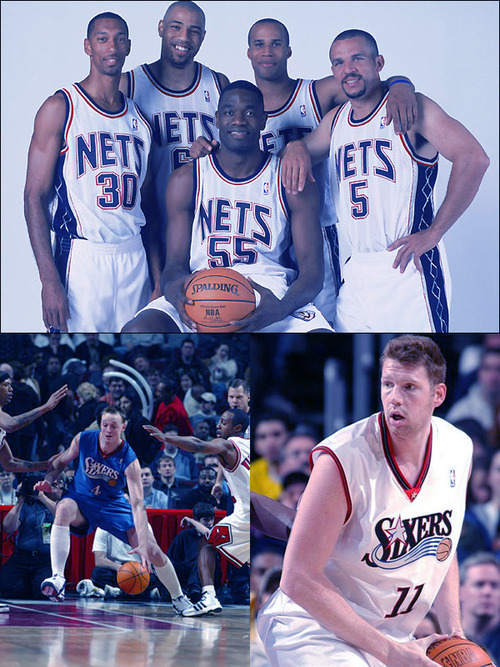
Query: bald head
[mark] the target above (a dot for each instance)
(190, 6)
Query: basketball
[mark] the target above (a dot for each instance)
(133, 578)
(457, 651)
(443, 550)
(219, 297)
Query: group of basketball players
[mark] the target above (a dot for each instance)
(107, 173)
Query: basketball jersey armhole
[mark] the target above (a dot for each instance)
(343, 477)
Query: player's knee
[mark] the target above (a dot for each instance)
(65, 513)
(151, 321)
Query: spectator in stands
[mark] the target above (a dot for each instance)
(201, 430)
(483, 396)
(477, 434)
(271, 433)
(153, 378)
(267, 556)
(294, 484)
(87, 396)
(192, 399)
(51, 378)
(153, 498)
(480, 601)
(222, 370)
(93, 351)
(169, 483)
(202, 493)
(171, 411)
(493, 435)
(238, 395)
(115, 389)
(135, 435)
(207, 412)
(56, 348)
(32, 517)
(7, 490)
(183, 551)
(295, 453)
(141, 363)
(185, 359)
(489, 513)
(24, 399)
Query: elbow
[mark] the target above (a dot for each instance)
(294, 584)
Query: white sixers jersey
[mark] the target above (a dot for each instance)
(398, 540)
(242, 224)
(238, 478)
(299, 116)
(100, 171)
(385, 190)
(176, 117)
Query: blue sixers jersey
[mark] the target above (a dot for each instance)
(99, 476)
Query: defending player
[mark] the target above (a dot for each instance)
(389, 494)
(11, 423)
(177, 95)
(229, 209)
(87, 183)
(231, 536)
(384, 195)
(294, 107)
(106, 464)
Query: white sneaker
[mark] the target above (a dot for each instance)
(53, 587)
(111, 591)
(208, 604)
(3, 608)
(182, 604)
(154, 594)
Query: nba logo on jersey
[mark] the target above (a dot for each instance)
(452, 478)
(135, 124)
(265, 188)
(207, 96)
(383, 122)
(303, 111)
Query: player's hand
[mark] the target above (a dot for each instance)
(413, 652)
(57, 397)
(175, 293)
(55, 308)
(267, 312)
(296, 167)
(201, 146)
(217, 491)
(142, 551)
(155, 432)
(402, 107)
(43, 485)
(413, 246)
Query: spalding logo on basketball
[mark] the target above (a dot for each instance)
(457, 652)
(219, 296)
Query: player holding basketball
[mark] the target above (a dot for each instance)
(230, 209)
(388, 494)
(177, 95)
(383, 195)
(231, 536)
(106, 464)
(87, 182)
(11, 423)
(294, 107)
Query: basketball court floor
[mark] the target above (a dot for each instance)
(89, 632)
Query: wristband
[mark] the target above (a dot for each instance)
(401, 81)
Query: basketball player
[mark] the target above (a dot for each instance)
(383, 195)
(177, 95)
(389, 495)
(87, 164)
(106, 464)
(229, 209)
(11, 423)
(295, 107)
(231, 536)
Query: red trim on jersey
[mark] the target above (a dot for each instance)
(342, 475)
(411, 491)
(101, 112)
(427, 162)
(172, 93)
(290, 101)
(238, 182)
(364, 121)
(69, 122)
(238, 460)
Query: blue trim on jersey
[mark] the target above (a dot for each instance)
(262, 166)
(64, 222)
(197, 76)
(332, 239)
(129, 84)
(62, 249)
(316, 99)
(431, 260)
(194, 165)
(101, 109)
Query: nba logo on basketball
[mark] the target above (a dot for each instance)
(303, 111)
(207, 96)
(452, 478)
(135, 124)
(266, 188)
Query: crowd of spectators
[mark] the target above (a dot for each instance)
(178, 383)
(288, 415)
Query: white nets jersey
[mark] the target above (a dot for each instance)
(382, 191)
(238, 478)
(100, 171)
(2, 437)
(176, 117)
(398, 540)
(243, 224)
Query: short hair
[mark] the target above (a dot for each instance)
(87, 391)
(479, 558)
(350, 34)
(187, 4)
(239, 382)
(240, 418)
(105, 15)
(112, 410)
(147, 465)
(275, 22)
(417, 350)
(242, 85)
(203, 511)
(165, 457)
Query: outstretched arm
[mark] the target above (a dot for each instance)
(11, 423)
(218, 446)
(58, 464)
(271, 517)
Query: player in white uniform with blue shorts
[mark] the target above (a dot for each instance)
(230, 210)
(177, 95)
(395, 277)
(373, 544)
(87, 165)
(231, 535)
(106, 465)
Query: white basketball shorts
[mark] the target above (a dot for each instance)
(231, 536)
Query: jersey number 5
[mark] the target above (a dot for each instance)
(359, 201)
